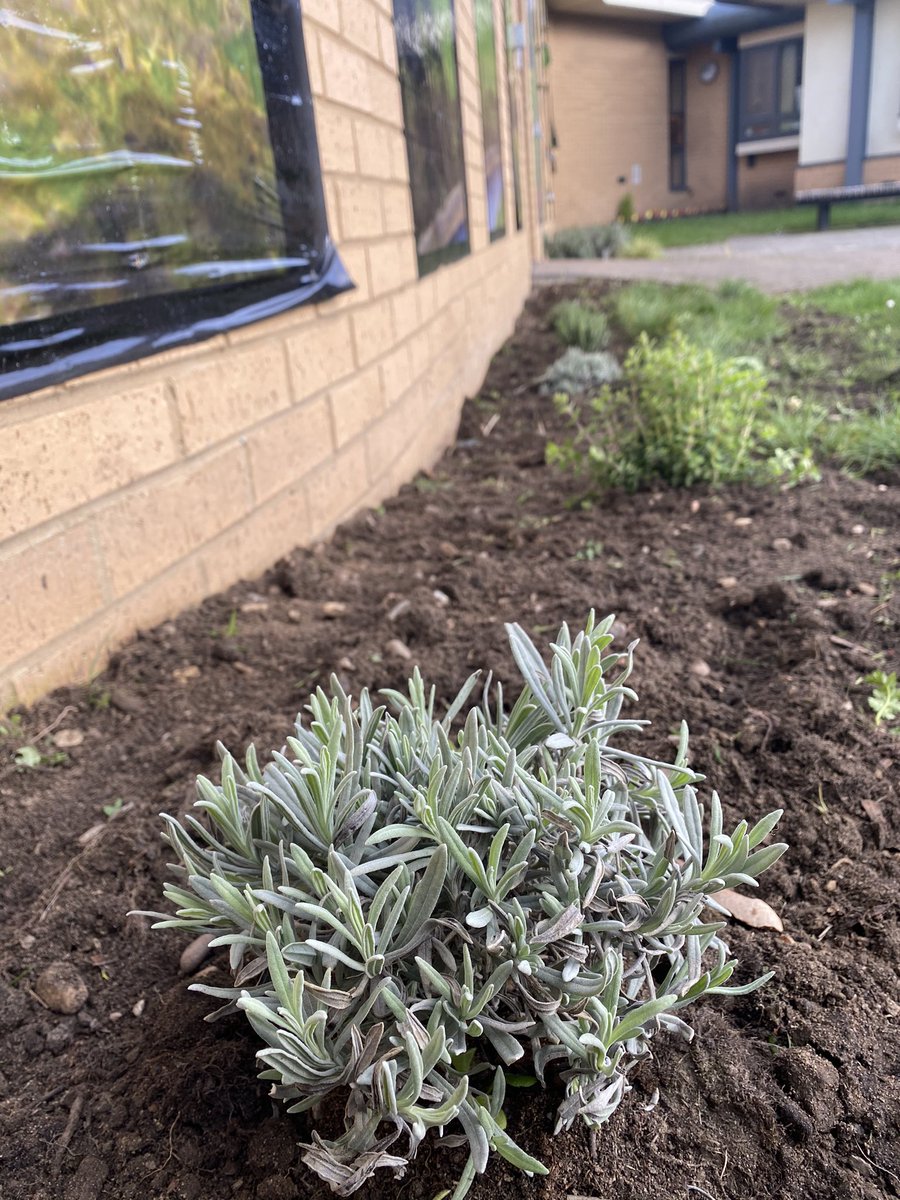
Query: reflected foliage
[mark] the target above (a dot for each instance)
(429, 81)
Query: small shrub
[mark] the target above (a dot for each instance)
(412, 911)
(625, 209)
(588, 241)
(579, 371)
(682, 417)
(642, 246)
(580, 325)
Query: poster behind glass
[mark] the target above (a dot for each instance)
(490, 116)
(429, 81)
(512, 69)
(142, 166)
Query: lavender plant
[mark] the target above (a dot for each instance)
(412, 911)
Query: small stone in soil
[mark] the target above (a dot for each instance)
(782, 544)
(333, 608)
(195, 953)
(294, 615)
(742, 522)
(67, 739)
(61, 988)
(255, 606)
(59, 1037)
(700, 668)
(727, 582)
(398, 648)
(441, 598)
(185, 674)
(138, 1009)
(866, 589)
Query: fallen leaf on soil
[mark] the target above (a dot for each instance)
(749, 911)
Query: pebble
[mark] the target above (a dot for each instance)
(138, 1008)
(66, 739)
(782, 544)
(333, 608)
(701, 668)
(61, 988)
(255, 606)
(126, 701)
(194, 954)
(831, 885)
(27, 940)
(727, 582)
(866, 589)
(59, 1038)
(346, 664)
(742, 522)
(398, 648)
(401, 607)
(448, 549)
(441, 598)
(858, 530)
(294, 615)
(185, 674)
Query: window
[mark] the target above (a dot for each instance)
(429, 84)
(490, 116)
(770, 78)
(159, 179)
(513, 58)
(677, 107)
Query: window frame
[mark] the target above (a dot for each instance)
(677, 122)
(47, 351)
(769, 125)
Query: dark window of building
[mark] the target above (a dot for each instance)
(429, 83)
(677, 111)
(159, 180)
(770, 89)
(490, 116)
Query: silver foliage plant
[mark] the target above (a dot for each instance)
(413, 913)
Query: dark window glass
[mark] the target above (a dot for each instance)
(513, 57)
(159, 179)
(770, 89)
(490, 116)
(429, 83)
(677, 131)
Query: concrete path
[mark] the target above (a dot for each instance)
(777, 263)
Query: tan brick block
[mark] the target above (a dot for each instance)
(392, 263)
(387, 38)
(236, 390)
(397, 206)
(359, 25)
(405, 307)
(373, 331)
(336, 489)
(399, 158)
(334, 130)
(420, 352)
(320, 355)
(360, 207)
(333, 210)
(46, 588)
(50, 464)
(285, 449)
(144, 532)
(325, 12)
(396, 374)
(353, 256)
(257, 542)
(356, 403)
(314, 61)
(384, 95)
(373, 147)
(345, 74)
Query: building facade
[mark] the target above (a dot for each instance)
(134, 490)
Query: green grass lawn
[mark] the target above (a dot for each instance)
(695, 231)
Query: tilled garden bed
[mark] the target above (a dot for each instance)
(758, 612)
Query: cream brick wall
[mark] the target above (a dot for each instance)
(131, 493)
(609, 81)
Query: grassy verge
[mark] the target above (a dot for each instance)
(718, 227)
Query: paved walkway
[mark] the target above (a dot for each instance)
(778, 263)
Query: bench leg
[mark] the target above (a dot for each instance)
(823, 215)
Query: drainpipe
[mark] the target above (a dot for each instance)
(860, 77)
(729, 46)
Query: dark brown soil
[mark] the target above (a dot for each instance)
(792, 1092)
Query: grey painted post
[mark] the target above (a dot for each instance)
(860, 77)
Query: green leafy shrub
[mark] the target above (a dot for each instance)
(410, 911)
(642, 245)
(625, 209)
(683, 416)
(588, 241)
(579, 371)
(580, 325)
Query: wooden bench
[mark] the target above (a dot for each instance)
(823, 198)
